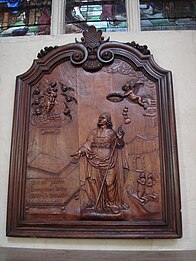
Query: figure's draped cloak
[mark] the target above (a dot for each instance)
(103, 160)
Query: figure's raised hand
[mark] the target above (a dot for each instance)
(120, 132)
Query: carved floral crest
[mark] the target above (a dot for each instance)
(92, 40)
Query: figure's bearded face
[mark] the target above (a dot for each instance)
(102, 120)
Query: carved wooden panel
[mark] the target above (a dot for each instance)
(94, 150)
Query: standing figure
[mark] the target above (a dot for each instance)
(103, 167)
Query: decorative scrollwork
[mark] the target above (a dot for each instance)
(142, 48)
(79, 56)
(121, 67)
(46, 50)
(92, 40)
(106, 56)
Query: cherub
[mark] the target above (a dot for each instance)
(141, 187)
(132, 96)
(129, 92)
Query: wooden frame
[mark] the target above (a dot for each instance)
(34, 215)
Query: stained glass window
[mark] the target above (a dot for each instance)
(25, 17)
(168, 15)
(107, 15)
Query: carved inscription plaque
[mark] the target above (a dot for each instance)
(96, 151)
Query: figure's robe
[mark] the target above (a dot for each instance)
(103, 170)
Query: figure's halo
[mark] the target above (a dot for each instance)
(115, 97)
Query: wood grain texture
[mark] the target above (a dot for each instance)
(94, 148)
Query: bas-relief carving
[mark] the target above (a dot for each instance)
(103, 183)
(104, 167)
(52, 104)
(51, 178)
(96, 154)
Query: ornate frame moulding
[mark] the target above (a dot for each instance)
(94, 149)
